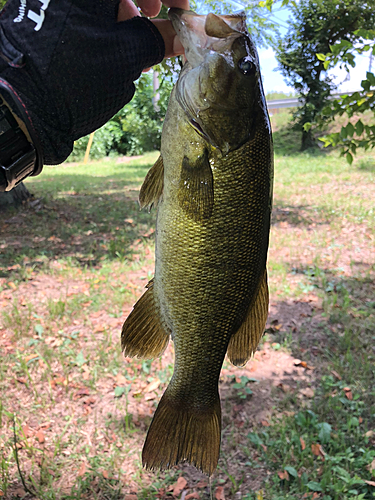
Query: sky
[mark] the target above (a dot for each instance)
(272, 78)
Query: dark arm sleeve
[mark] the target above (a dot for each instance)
(73, 65)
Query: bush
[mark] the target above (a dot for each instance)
(136, 128)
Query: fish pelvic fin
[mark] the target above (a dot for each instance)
(180, 432)
(153, 185)
(196, 188)
(245, 341)
(143, 333)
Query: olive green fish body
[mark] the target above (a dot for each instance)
(210, 286)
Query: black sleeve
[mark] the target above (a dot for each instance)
(72, 65)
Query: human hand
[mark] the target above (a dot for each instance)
(151, 8)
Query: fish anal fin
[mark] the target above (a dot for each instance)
(196, 188)
(180, 432)
(153, 185)
(143, 333)
(245, 341)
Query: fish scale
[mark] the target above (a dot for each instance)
(213, 187)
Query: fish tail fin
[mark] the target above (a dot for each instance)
(181, 432)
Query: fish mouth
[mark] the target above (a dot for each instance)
(204, 34)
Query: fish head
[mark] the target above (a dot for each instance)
(220, 86)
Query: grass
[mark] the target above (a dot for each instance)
(298, 420)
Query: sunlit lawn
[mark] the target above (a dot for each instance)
(72, 263)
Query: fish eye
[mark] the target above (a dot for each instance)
(246, 66)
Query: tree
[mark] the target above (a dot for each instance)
(357, 134)
(316, 26)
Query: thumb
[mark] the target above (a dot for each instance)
(127, 10)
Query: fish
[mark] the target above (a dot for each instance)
(212, 186)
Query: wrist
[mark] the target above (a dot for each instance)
(20, 150)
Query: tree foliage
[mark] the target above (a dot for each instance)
(354, 133)
(318, 25)
(137, 127)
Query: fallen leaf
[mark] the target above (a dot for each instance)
(284, 387)
(315, 495)
(178, 486)
(337, 375)
(195, 494)
(349, 395)
(82, 392)
(99, 328)
(120, 379)
(265, 423)
(371, 483)
(372, 465)
(105, 474)
(20, 492)
(40, 436)
(89, 401)
(283, 475)
(26, 431)
(45, 425)
(303, 444)
(317, 450)
(308, 392)
(369, 434)
(297, 362)
(21, 380)
(30, 357)
(219, 493)
(130, 497)
(82, 469)
(202, 484)
(152, 386)
(346, 389)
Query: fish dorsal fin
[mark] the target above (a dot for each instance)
(153, 185)
(225, 26)
(237, 21)
(245, 341)
(196, 188)
(215, 26)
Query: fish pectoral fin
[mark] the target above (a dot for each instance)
(245, 341)
(143, 333)
(153, 185)
(196, 188)
(181, 432)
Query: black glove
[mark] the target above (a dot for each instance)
(72, 65)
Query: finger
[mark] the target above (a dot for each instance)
(181, 4)
(150, 8)
(127, 10)
(173, 46)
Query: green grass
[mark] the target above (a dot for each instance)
(71, 267)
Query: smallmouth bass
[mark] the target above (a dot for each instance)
(212, 185)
